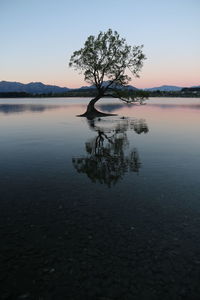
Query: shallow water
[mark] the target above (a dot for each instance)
(103, 209)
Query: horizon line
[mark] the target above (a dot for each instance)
(173, 85)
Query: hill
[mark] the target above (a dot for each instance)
(30, 88)
(165, 88)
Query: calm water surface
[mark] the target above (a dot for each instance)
(102, 209)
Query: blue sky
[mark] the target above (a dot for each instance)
(38, 37)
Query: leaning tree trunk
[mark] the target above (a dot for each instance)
(91, 108)
(91, 111)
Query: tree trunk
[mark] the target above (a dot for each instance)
(92, 112)
(91, 108)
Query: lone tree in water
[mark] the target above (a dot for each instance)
(104, 61)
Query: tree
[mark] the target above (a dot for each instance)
(104, 61)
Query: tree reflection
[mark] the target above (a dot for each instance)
(108, 158)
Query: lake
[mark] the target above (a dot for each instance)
(100, 209)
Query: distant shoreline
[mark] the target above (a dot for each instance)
(184, 93)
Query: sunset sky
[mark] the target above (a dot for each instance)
(39, 36)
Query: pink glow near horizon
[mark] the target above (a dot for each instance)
(78, 81)
(150, 76)
(138, 84)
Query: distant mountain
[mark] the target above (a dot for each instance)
(130, 87)
(105, 83)
(40, 88)
(165, 88)
(85, 87)
(31, 88)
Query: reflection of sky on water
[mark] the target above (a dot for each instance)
(176, 106)
(41, 137)
(20, 108)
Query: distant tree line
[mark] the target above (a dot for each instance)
(14, 95)
(185, 92)
(75, 93)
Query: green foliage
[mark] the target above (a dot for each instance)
(107, 57)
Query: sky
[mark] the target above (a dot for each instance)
(39, 36)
